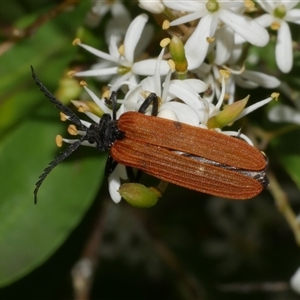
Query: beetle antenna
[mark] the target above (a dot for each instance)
(67, 111)
(62, 156)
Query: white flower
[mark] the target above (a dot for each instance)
(117, 24)
(280, 12)
(120, 62)
(213, 12)
(239, 76)
(295, 281)
(190, 111)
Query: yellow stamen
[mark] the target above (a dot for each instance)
(225, 73)
(275, 25)
(81, 108)
(106, 94)
(165, 25)
(275, 95)
(72, 129)
(82, 83)
(121, 50)
(58, 140)
(249, 4)
(76, 42)
(71, 74)
(210, 39)
(171, 64)
(63, 117)
(165, 42)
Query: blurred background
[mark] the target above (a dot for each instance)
(76, 243)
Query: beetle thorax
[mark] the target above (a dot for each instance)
(104, 134)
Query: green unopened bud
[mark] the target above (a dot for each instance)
(212, 6)
(228, 114)
(279, 12)
(139, 195)
(68, 89)
(178, 55)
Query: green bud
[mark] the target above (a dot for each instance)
(212, 6)
(279, 12)
(178, 55)
(139, 195)
(228, 114)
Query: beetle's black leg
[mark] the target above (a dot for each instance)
(151, 99)
(113, 99)
(110, 165)
(133, 177)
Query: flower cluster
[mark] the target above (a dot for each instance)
(201, 61)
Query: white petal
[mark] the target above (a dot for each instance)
(262, 79)
(119, 80)
(247, 28)
(114, 184)
(295, 281)
(265, 20)
(144, 40)
(236, 52)
(198, 85)
(293, 16)
(113, 46)
(196, 46)
(148, 85)
(253, 107)
(119, 22)
(183, 91)
(99, 53)
(267, 6)
(224, 45)
(183, 112)
(284, 113)
(290, 4)
(190, 17)
(155, 7)
(167, 114)
(98, 101)
(182, 5)
(133, 98)
(98, 72)
(284, 50)
(133, 35)
(147, 67)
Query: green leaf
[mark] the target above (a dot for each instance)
(30, 233)
(49, 50)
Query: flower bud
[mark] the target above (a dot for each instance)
(176, 48)
(228, 114)
(139, 195)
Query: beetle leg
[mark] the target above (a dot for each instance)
(110, 165)
(151, 99)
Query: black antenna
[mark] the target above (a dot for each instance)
(73, 118)
(67, 111)
(54, 163)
